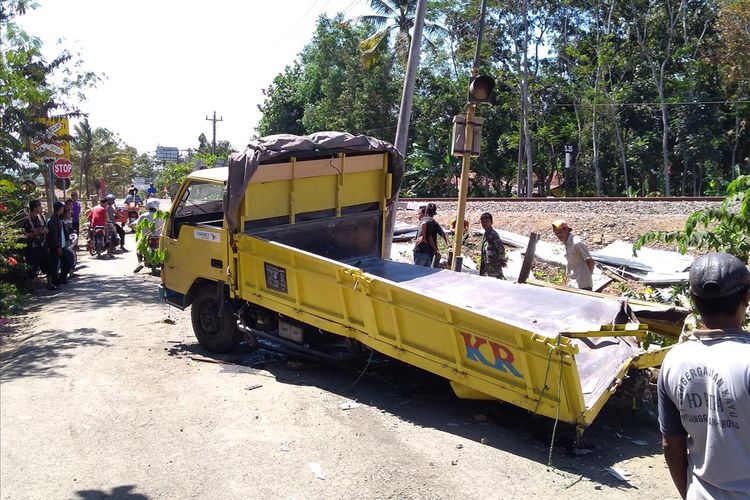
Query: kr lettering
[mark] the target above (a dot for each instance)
(502, 357)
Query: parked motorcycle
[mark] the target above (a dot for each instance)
(71, 246)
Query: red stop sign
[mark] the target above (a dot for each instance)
(62, 168)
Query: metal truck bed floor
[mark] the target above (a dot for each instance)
(536, 309)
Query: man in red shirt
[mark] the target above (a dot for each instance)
(98, 215)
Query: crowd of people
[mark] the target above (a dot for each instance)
(51, 242)
(48, 242)
(579, 268)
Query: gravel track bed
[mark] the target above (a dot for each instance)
(598, 222)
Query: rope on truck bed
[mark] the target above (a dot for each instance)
(544, 389)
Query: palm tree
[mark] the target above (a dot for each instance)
(398, 16)
(98, 152)
(83, 145)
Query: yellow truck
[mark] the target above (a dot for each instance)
(289, 247)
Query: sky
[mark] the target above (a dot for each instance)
(169, 64)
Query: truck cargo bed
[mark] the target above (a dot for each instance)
(493, 339)
(535, 309)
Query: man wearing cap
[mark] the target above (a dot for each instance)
(704, 387)
(580, 265)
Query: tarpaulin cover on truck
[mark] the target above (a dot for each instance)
(274, 148)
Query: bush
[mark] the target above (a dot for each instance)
(723, 229)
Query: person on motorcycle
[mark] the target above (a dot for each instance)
(111, 217)
(133, 198)
(98, 217)
(153, 207)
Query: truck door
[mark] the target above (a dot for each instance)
(195, 240)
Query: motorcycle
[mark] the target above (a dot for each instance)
(102, 240)
(97, 241)
(133, 212)
(71, 246)
(153, 246)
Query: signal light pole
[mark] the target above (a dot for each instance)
(480, 91)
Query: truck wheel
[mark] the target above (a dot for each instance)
(216, 334)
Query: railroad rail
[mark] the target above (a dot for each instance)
(585, 199)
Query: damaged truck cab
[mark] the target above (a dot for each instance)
(289, 247)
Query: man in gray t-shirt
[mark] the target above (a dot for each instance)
(704, 387)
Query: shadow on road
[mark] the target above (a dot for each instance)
(41, 354)
(117, 493)
(93, 292)
(426, 400)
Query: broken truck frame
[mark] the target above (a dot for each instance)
(311, 251)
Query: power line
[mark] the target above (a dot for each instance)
(681, 103)
(299, 21)
(350, 7)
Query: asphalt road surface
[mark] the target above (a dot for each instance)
(105, 393)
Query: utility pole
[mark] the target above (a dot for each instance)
(404, 113)
(213, 142)
(49, 181)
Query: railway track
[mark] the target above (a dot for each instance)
(581, 199)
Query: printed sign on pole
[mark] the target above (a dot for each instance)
(53, 142)
(568, 151)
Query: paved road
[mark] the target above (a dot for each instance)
(100, 398)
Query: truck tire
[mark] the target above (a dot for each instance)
(214, 333)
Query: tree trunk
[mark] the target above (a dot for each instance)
(736, 141)
(578, 143)
(684, 176)
(695, 181)
(621, 149)
(525, 97)
(595, 147)
(519, 180)
(664, 137)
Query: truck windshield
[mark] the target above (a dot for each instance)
(201, 198)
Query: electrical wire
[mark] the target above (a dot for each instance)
(557, 414)
(363, 371)
(682, 103)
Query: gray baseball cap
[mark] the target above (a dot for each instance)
(717, 275)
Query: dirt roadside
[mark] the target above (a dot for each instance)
(99, 398)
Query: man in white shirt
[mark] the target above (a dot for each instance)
(580, 265)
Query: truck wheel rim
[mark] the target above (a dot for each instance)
(209, 319)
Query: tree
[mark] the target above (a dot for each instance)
(101, 156)
(329, 88)
(398, 16)
(643, 91)
(28, 89)
(733, 56)
(284, 104)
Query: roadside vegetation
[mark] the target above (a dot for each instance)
(653, 96)
(724, 229)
